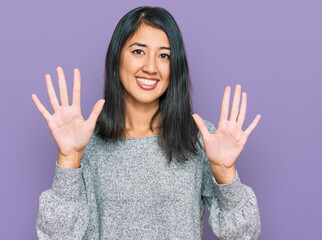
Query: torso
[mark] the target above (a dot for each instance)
(139, 194)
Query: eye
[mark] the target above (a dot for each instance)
(138, 51)
(164, 55)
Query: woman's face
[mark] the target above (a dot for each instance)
(145, 65)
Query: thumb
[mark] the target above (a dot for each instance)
(201, 125)
(95, 112)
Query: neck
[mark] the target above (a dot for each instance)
(138, 118)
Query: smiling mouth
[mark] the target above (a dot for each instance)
(147, 84)
(146, 81)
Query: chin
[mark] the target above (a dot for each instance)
(141, 99)
(148, 100)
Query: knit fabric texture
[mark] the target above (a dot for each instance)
(127, 190)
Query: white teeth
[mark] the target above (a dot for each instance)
(146, 81)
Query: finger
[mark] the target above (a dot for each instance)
(201, 125)
(95, 112)
(235, 104)
(51, 93)
(41, 108)
(62, 87)
(242, 112)
(77, 88)
(225, 105)
(252, 126)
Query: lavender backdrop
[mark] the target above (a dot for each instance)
(273, 48)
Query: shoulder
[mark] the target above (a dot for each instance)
(92, 150)
(93, 142)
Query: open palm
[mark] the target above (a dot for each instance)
(226, 143)
(67, 125)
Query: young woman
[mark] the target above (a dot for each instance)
(142, 166)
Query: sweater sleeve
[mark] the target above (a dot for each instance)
(64, 209)
(233, 209)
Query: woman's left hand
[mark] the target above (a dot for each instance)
(226, 143)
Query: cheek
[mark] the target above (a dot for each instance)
(129, 65)
(165, 71)
(132, 65)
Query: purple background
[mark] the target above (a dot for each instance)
(272, 48)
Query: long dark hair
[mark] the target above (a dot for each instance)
(178, 133)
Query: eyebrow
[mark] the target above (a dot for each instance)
(144, 45)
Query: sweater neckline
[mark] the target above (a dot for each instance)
(141, 138)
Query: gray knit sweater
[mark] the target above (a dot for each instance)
(126, 190)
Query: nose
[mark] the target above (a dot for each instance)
(150, 65)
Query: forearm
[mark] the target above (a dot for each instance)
(234, 214)
(63, 210)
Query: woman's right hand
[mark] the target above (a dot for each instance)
(67, 125)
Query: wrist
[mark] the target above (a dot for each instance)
(71, 161)
(223, 175)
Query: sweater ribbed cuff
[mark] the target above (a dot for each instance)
(230, 195)
(68, 182)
